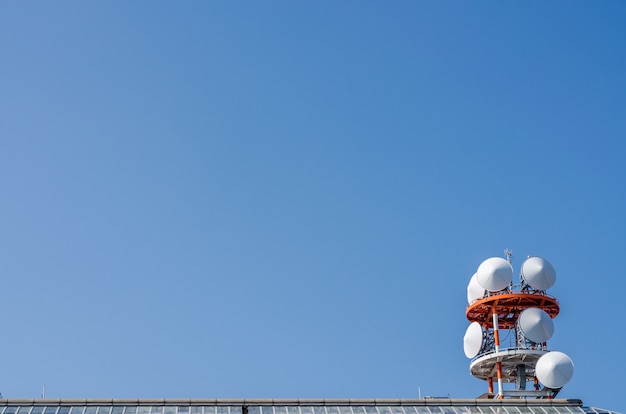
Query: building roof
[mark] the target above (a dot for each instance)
(296, 406)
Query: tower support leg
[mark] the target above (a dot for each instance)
(521, 377)
(499, 367)
(496, 337)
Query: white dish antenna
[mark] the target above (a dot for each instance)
(554, 369)
(474, 290)
(473, 340)
(536, 325)
(538, 273)
(494, 274)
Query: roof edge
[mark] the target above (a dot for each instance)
(295, 402)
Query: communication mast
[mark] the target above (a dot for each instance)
(525, 312)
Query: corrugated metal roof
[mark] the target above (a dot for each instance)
(296, 406)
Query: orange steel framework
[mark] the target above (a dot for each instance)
(508, 307)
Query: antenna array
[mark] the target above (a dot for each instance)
(525, 311)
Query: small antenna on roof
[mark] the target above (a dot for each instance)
(43, 392)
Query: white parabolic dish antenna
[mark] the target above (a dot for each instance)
(474, 290)
(536, 325)
(494, 274)
(473, 340)
(538, 273)
(554, 369)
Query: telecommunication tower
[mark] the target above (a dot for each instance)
(524, 311)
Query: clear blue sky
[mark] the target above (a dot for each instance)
(287, 199)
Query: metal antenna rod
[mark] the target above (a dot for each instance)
(509, 254)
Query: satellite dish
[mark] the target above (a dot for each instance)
(535, 324)
(473, 340)
(538, 273)
(474, 290)
(554, 369)
(494, 274)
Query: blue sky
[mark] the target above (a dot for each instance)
(287, 199)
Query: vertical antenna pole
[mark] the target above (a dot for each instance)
(496, 337)
(508, 253)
